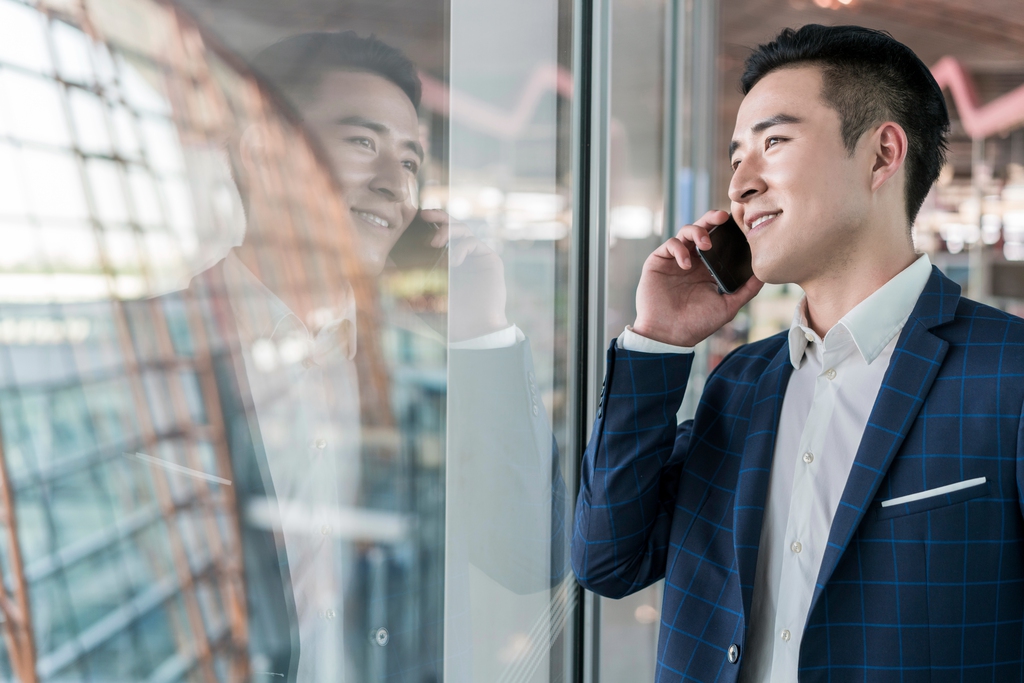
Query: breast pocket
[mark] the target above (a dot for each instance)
(931, 499)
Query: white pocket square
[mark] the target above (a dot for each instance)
(940, 491)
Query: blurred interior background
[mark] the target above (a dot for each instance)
(569, 139)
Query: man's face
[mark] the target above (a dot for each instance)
(370, 130)
(796, 192)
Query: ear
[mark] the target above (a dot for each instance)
(252, 148)
(889, 146)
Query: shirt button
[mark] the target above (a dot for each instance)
(796, 547)
(808, 457)
(325, 530)
(320, 444)
(830, 373)
(734, 653)
(809, 336)
(381, 636)
(785, 635)
(330, 615)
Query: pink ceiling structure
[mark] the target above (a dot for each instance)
(499, 122)
(979, 121)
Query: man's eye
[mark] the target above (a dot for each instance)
(735, 165)
(411, 166)
(362, 142)
(771, 142)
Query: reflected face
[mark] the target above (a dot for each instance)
(796, 192)
(370, 130)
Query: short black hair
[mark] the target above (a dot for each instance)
(295, 66)
(868, 77)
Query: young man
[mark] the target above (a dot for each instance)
(845, 502)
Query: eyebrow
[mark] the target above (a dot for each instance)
(765, 124)
(380, 128)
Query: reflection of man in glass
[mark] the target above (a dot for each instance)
(310, 516)
(358, 98)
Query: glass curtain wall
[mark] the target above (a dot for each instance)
(284, 340)
(636, 226)
(510, 595)
(660, 154)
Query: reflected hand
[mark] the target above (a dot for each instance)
(476, 295)
(677, 300)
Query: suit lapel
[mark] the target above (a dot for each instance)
(914, 365)
(755, 466)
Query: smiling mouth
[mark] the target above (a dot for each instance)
(761, 220)
(371, 218)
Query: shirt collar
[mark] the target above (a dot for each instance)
(872, 323)
(262, 315)
(258, 311)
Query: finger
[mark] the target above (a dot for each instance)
(696, 235)
(712, 218)
(458, 251)
(435, 216)
(674, 249)
(440, 237)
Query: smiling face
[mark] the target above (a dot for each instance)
(800, 197)
(370, 130)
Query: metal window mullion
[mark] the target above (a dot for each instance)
(588, 281)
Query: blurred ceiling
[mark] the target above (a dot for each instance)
(417, 27)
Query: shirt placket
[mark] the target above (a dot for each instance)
(805, 536)
(300, 454)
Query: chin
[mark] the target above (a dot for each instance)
(772, 272)
(373, 261)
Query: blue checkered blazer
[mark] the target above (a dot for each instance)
(928, 591)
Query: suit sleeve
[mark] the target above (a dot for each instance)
(506, 495)
(630, 473)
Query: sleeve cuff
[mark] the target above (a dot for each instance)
(502, 339)
(631, 341)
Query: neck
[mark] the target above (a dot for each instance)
(848, 280)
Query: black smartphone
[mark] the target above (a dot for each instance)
(413, 249)
(728, 259)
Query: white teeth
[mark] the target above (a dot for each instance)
(763, 218)
(372, 218)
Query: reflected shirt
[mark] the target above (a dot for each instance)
(305, 398)
(825, 410)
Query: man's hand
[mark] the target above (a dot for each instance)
(476, 297)
(677, 301)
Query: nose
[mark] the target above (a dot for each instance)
(389, 178)
(747, 182)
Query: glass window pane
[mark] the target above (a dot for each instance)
(74, 53)
(54, 184)
(163, 150)
(12, 193)
(33, 108)
(92, 134)
(246, 381)
(23, 37)
(21, 247)
(107, 188)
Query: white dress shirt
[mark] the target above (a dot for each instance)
(305, 395)
(826, 407)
